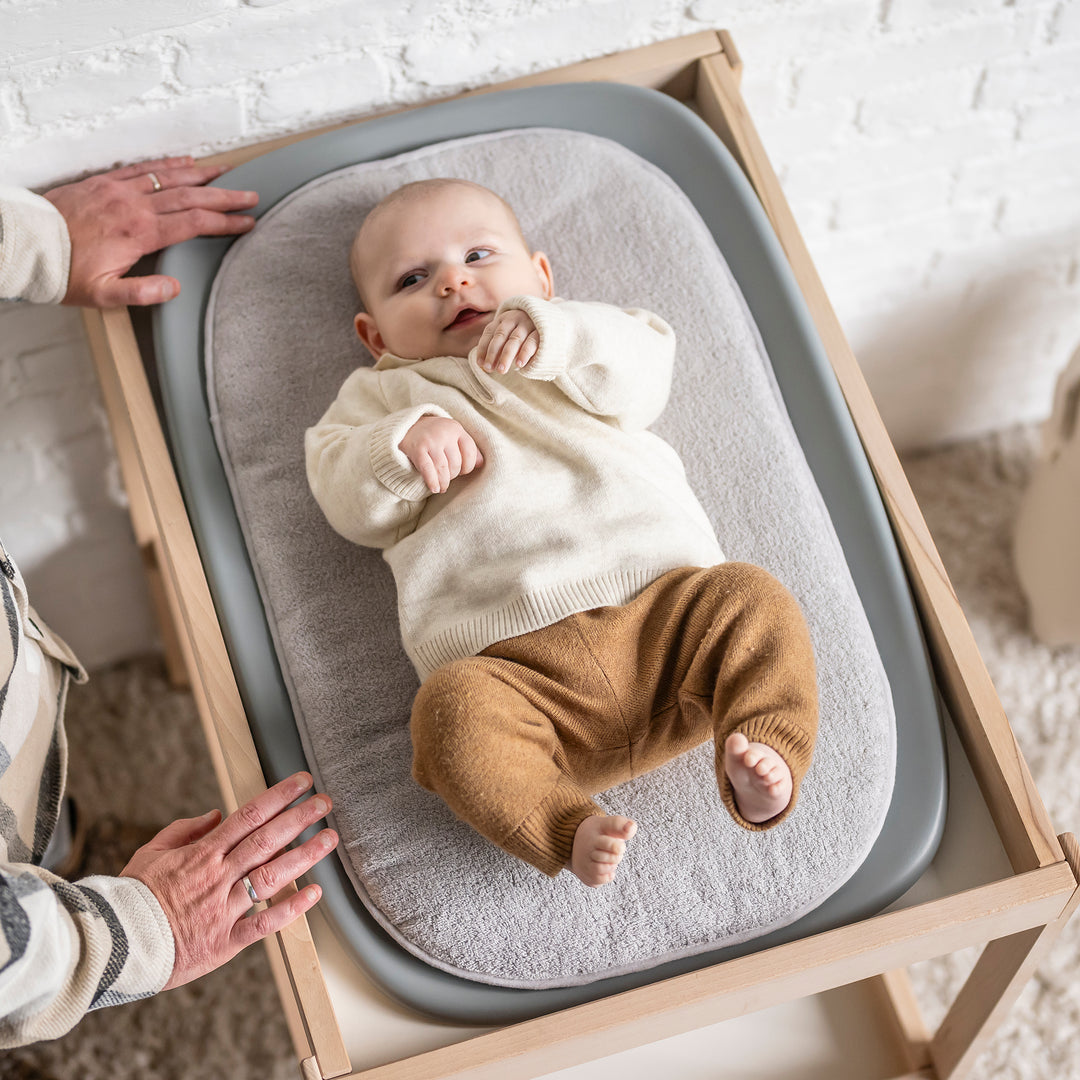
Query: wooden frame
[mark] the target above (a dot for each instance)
(1019, 916)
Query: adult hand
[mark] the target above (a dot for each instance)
(116, 218)
(511, 340)
(440, 450)
(195, 867)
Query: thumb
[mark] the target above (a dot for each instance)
(136, 291)
(185, 831)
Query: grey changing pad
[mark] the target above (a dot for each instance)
(279, 344)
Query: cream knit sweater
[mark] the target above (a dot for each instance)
(35, 250)
(576, 505)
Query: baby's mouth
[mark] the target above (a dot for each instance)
(466, 316)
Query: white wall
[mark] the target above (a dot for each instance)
(930, 150)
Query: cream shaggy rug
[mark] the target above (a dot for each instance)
(969, 494)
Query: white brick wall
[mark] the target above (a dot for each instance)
(930, 150)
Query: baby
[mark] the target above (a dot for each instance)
(560, 590)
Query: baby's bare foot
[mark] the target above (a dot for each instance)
(599, 845)
(760, 776)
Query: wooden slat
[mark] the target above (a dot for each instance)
(1006, 784)
(236, 762)
(999, 976)
(744, 985)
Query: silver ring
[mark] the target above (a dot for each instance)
(157, 187)
(250, 889)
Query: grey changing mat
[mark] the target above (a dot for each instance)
(279, 344)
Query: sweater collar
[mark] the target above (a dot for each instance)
(388, 361)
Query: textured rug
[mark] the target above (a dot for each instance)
(138, 762)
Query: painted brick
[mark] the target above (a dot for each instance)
(7, 121)
(913, 59)
(353, 85)
(863, 161)
(916, 14)
(899, 110)
(1027, 169)
(62, 28)
(1018, 79)
(95, 85)
(1065, 25)
(818, 28)
(1050, 122)
(795, 132)
(1048, 211)
(196, 124)
(900, 199)
(271, 41)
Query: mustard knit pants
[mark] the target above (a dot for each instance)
(516, 738)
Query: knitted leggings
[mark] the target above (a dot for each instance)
(517, 738)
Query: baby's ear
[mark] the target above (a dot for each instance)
(543, 270)
(369, 334)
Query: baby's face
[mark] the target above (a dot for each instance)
(434, 269)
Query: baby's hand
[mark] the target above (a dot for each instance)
(509, 341)
(440, 450)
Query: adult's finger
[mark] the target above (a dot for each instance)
(186, 224)
(271, 919)
(186, 175)
(270, 878)
(142, 167)
(258, 811)
(135, 291)
(267, 841)
(204, 198)
(185, 830)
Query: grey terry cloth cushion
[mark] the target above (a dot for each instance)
(280, 344)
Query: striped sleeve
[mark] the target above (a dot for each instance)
(65, 948)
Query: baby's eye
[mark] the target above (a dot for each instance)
(409, 279)
(477, 253)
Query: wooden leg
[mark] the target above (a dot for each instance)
(895, 990)
(990, 991)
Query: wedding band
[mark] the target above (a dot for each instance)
(250, 889)
(157, 187)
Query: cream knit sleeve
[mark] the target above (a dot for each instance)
(364, 484)
(614, 362)
(35, 249)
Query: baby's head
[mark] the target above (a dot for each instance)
(433, 261)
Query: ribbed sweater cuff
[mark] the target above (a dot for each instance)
(389, 464)
(553, 329)
(790, 742)
(545, 839)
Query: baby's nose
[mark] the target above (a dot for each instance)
(454, 277)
